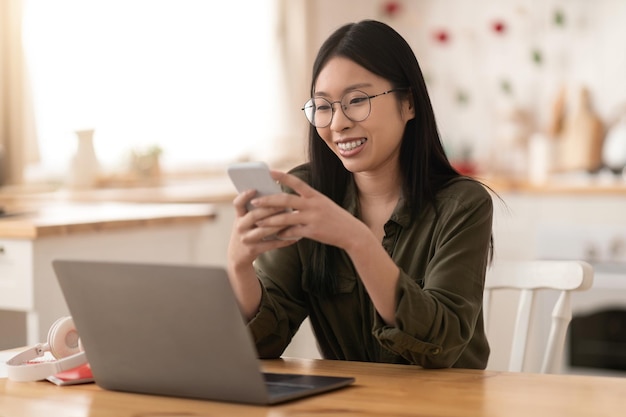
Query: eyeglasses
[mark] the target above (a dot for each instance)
(355, 105)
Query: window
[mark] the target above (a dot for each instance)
(196, 78)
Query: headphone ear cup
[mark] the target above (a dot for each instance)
(63, 338)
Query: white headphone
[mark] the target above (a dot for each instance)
(64, 344)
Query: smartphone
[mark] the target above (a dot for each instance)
(253, 175)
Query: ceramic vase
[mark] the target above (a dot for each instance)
(84, 167)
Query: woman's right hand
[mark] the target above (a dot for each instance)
(247, 241)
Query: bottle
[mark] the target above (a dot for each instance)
(614, 148)
(539, 158)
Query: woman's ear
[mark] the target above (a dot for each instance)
(408, 108)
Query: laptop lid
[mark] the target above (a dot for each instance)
(171, 330)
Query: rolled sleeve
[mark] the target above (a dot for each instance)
(437, 313)
(268, 329)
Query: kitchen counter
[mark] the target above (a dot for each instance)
(36, 231)
(215, 189)
(581, 185)
(218, 189)
(34, 220)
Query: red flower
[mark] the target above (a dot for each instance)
(498, 26)
(391, 8)
(441, 36)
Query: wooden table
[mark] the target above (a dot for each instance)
(380, 390)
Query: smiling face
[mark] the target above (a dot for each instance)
(373, 144)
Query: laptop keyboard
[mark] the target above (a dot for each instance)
(282, 384)
(276, 388)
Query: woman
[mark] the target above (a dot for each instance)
(387, 245)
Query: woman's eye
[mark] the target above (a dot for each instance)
(357, 100)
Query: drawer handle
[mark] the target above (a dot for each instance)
(1, 250)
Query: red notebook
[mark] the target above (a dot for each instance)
(79, 375)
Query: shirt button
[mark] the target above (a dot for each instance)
(435, 351)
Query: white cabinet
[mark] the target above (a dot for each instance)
(16, 285)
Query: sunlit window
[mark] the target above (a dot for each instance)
(194, 77)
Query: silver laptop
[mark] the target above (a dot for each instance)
(172, 330)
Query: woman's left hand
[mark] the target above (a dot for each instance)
(313, 216)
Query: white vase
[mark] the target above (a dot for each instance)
(85, 167)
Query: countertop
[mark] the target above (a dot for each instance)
(40, 211)
(215, 189)
(34, 220)
(218, 189)
(558, 187)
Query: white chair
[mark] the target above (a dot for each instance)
(528, 277)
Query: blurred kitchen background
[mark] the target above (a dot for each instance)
(523, 89)
(149, 100)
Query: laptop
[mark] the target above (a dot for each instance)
(173, 330)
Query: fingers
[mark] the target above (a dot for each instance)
(241, 200)
(293, 182)
(250, 219)
(247, 243)
(250, 237)
(266, 220)
(289, 234)
(261, 239)
(242, 203)
(262, 235)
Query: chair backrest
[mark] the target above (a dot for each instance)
(528, 277)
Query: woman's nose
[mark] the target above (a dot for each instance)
(340, 121)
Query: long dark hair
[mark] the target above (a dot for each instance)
(423, 163)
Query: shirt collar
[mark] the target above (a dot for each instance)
(401, 213)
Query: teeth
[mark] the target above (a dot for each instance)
(348, 146)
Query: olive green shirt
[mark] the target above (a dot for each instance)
(439, 320)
